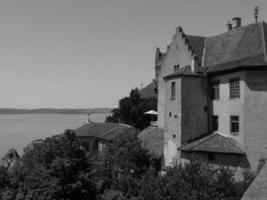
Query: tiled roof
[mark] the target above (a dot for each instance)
(197, 44)
(152, 139)
(186, 71)
(215, 142)
(245, 45)
(106, 131)
(149, 91)
(258, 188)
(247, 63)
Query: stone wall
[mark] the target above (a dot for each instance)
(178, 53)
(225, 107)
(172, 129)
(255, 117)
(194, 104)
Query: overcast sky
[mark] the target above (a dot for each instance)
(90, 53)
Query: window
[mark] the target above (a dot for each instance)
(170, 114)
(176, 68)
(211, 156)
(173, 91)
(85, 146)
(96, 145)
(215, 90)
(234, 88)
(215, 123)
(234, 123)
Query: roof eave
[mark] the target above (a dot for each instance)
(202, 151)
(171, 76)
(239, 68)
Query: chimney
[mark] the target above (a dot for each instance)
(229, 26)
(236, 22)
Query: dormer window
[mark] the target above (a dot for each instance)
(176, 68)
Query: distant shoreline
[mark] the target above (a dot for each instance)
(54, 111)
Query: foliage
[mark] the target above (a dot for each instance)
(122, 164)
(55, 169)
(131, 110)
(194, 181)
(59, 169)
(126, 168)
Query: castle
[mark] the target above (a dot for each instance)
(212, 96)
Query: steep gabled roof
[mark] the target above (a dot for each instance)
(245, 45)
(215, 142)
(197, 45)
(105, 131)
(149, 91)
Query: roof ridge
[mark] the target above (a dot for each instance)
(204, 53)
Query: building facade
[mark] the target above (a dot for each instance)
(212, 96)
(94, 136)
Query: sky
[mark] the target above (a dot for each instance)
(91, 53)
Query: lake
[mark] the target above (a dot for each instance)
(18, 130)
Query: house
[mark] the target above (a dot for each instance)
(212, 96)
(94, 135)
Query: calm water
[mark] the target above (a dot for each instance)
(18, 130)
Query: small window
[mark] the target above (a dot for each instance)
(234, 123)
(85, 145)
(174, 136)
(175, 116)
(211, 156)
(173, 91)
(176, 68)
(170, 114)
(215, 90)
(96, 145)
(234, 88)
(215, 123)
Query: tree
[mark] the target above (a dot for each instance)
(194, 181)
(131, 110)
(55, 169)
(123, 164)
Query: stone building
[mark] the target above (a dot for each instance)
(94, 136)
(212, 96)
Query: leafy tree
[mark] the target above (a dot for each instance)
(131, 110)
(194, 181)
(123, 164)
(54, 169)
